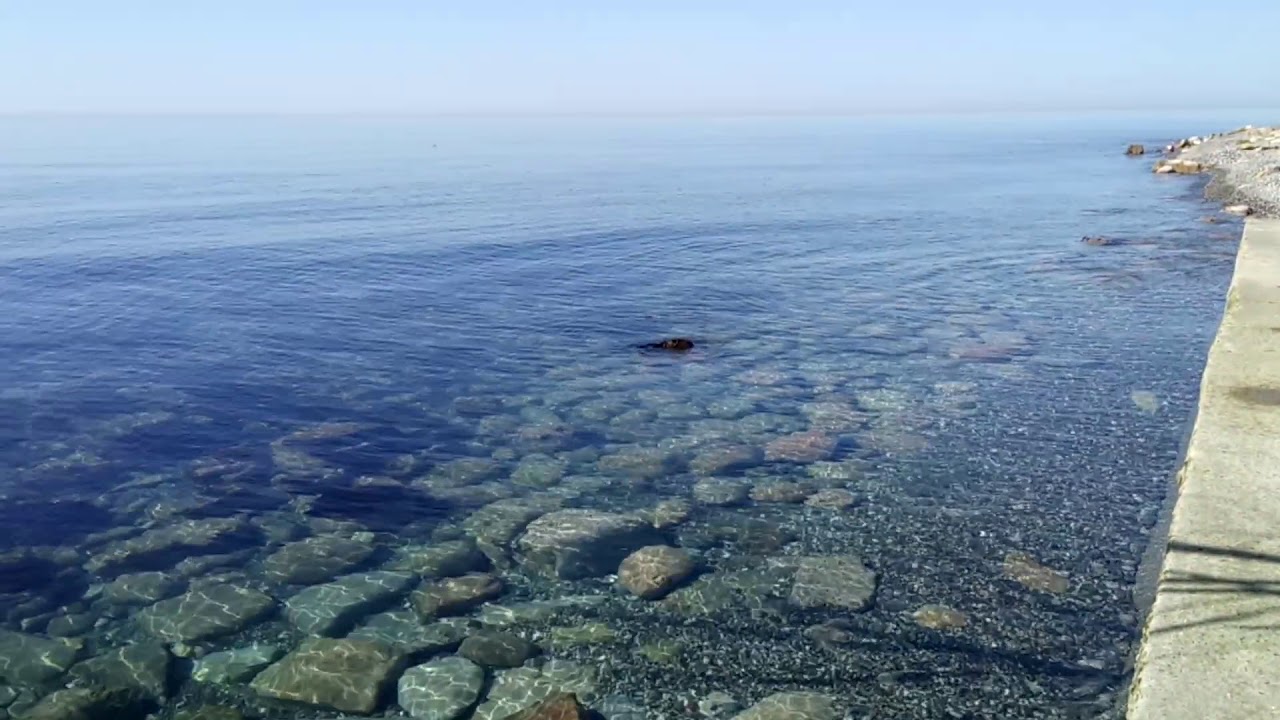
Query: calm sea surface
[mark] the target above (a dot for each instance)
(913, 461)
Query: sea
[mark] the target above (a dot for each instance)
(909, 468)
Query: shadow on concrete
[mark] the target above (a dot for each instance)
(1210, 584)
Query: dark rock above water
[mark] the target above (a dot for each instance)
(1135, 149)
(670, 345)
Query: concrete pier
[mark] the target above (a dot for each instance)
(1211, 645)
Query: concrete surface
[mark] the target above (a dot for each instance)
(1211, 645)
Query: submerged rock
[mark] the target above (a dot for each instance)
(162, 548)
(210, 712)
(497, 649)
(534, 611)
(205, 612)
(720, 492)
(726, 459)
(939, 617)
(455, 595)
(497, 524)
(142, 588)
(1145, 401)
(718, 705)
(564, 706)
(592, 633)
(446, 559)
(670, 513)
(575, 544)
(403, 631)
(1034, 576)
(441, 689)
(801, 447)
(34, 661)
(832, 499)
(70, 625)
(791, 706)
(837, 581)
(333, 608)
(316, 559)
(463, 471)
(346, 675)
(91, 704)
(640, 463)
(236, 665)
(143, 667)
(538, 471)
(654, 571)
(516, 690)
(778, 491)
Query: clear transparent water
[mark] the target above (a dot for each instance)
(307, 323)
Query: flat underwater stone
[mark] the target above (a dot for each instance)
(142, 666)
(205, 612)
(344, 674)
(163, 547)
(333, 608)
(316, 559)
(34, 661)
(235, 665)
(791, 706)
(441, 689)
(578, 543)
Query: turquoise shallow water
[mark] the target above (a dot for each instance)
(409, 338)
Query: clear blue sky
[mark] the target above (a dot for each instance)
(628, 56)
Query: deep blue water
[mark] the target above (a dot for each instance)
(179, 289)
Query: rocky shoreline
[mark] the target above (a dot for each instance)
(1244, 164)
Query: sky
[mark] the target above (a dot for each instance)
(498, 57)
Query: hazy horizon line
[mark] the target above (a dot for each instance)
(675, 114)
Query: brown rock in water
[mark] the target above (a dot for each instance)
(1098, 240)
(801, 447)
(454, 595)
(940, 617)
(1034, 576)
(1177, 166)
(832, 499)
(672, 344)
(779, 491)
(1135, 149)
(654, 571)
(564, 706)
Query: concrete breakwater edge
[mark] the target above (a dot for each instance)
(1209, 645)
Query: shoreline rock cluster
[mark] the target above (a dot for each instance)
(1244, 163)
